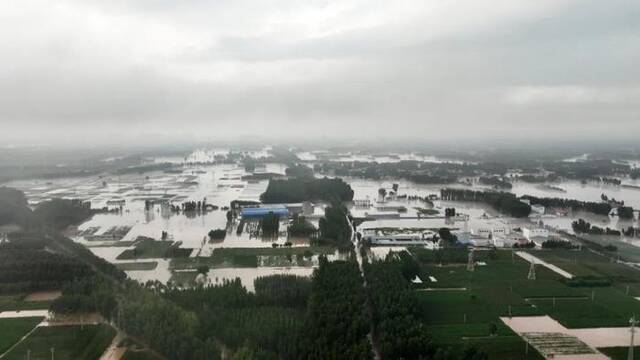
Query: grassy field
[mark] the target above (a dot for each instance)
(70, 342)
(620, 353)
(505, 344)
(12, 330)
(16, 302)
(465, 314)
(587, 263)
(609, 307)
(459, 317)
(248, 257)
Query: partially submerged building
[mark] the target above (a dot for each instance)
(401, 237)
(260, 211)
(535, 234)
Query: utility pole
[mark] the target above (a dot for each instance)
(633, 322)
(532, 271)
(471, 262)
(53, 351)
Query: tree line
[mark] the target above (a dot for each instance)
(506, 203)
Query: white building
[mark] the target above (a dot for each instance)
(532, 233)
(362, 203)
(508, 240)
(379, 237)
(491, 232)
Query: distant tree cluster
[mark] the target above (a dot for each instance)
(306, 189)
(505, 203)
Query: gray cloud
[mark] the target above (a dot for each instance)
(288, 68)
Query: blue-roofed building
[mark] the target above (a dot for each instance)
(263, 210)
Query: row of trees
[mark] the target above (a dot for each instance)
(506, 203)
(584, 227)
(270, 225)
(32, 270)
(599, 208)
(398, 330)
(337, 320)
(267, 324)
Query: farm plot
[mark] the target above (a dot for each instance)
(13, 329)
(72, 342)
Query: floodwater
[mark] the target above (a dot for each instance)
(365, 157)
(107, 235)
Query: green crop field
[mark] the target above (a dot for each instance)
(499, 288)
(16, 302)
(609, 307)
(13, 329)
(505, 344)
(587, 263)
(620, 353)
(73, 342)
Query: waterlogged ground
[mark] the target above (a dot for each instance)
(108, 235)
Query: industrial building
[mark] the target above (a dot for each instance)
(534, 233)
(379, 237)
(262, 210)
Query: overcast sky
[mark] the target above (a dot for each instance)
(102, 70)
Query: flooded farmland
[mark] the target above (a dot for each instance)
(140, 206)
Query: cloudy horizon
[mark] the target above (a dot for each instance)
(99, 71)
